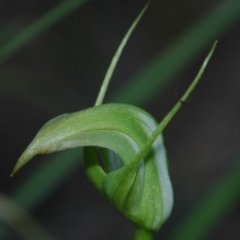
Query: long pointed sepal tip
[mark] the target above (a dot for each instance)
(13, 173)
(15, 169)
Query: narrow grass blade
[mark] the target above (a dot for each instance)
(38, 27)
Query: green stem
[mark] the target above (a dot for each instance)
(116, 57)
(174, 110)
(143, 234)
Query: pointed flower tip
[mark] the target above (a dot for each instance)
(215, 44)
(13, 172)
(146, 6)
(15, 169)
(212, 49)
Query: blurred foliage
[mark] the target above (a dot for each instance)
(210, 211)
(15, 216)
(39, 26)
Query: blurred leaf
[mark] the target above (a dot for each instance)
(40, 184)
(45, 22)
(20, 221)
(8, 30)
(20, 82)
(47, 178)
(211, 209)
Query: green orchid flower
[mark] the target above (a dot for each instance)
(124, 152)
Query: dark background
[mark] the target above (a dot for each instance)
(202, 141)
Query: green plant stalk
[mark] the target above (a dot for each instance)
(45, 22)
(143, 234)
